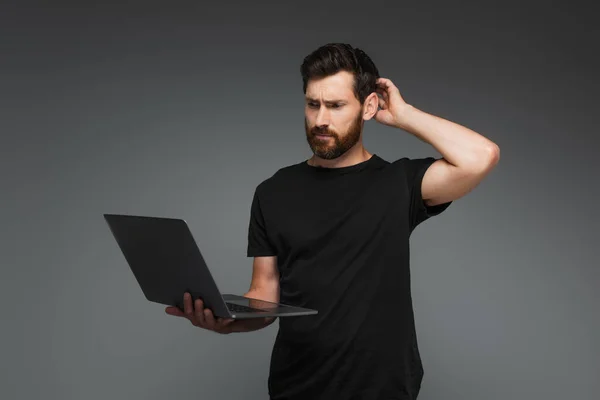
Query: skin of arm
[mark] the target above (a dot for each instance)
(264, 286)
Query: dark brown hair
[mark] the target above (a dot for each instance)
(335, 57)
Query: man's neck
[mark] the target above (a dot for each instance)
(351, 157)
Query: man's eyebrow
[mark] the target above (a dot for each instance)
(308, 98)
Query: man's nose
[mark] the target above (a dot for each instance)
(322, 117)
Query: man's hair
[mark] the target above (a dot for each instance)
(335, 57)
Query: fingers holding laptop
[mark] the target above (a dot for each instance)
(200, 316)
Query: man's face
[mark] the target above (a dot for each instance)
(333, 115)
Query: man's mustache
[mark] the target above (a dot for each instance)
(315, 132)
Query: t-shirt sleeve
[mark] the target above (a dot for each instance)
(258, 241)
(414, 170)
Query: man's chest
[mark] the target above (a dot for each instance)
(307, 223)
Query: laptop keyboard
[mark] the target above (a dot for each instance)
(239, 308)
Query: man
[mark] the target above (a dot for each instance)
(332, 233)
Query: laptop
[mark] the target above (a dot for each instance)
(167, 262)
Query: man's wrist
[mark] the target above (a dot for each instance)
(251, 324)
(404, 115)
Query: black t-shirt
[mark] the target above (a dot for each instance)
(341, 237)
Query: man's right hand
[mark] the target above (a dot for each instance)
(200, 316)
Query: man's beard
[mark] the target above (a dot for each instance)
(330, 149)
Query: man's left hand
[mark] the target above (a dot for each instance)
(393, 106)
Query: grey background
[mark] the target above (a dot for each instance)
(181, 108)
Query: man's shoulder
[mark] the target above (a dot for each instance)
(281, 176)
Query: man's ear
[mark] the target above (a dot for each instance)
(370, 106)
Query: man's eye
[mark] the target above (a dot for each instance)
(316, 105)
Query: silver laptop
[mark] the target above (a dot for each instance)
(167, 262)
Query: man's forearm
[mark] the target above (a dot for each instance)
(459, 145)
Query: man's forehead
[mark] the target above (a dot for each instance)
(327, 99)
(331, 88)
